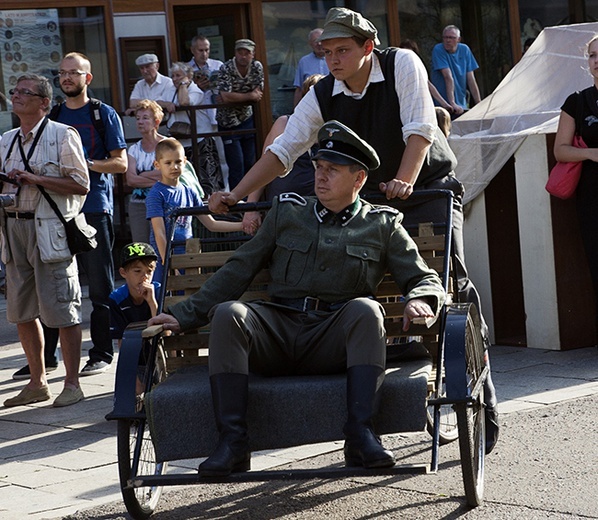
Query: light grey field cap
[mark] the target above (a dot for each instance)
(146, 59)
(344, 23)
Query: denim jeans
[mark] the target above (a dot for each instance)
(239, 151)
(99, 268)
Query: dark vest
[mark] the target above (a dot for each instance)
(376, 118)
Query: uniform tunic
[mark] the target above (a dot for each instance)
(333, 259)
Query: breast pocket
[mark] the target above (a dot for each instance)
(290, 259)
(359, 259)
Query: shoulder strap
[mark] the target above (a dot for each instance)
(53, 115)
(26, 158)
(96, 118)
(94, 112)
(53, 204)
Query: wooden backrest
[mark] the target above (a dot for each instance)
(191, 348)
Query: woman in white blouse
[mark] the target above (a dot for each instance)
(141, 174)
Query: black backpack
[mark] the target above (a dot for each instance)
(94, 110)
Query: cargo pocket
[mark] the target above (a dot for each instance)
(51, 240)
(66, 282)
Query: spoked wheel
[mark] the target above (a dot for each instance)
(470, 416)
(133, 437)
(448, 431)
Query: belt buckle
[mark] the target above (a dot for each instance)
(310, 303)
(17, 216)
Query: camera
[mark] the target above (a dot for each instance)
(7, 199)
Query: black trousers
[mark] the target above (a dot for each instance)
(274, 340)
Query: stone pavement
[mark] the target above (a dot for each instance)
(56, 461)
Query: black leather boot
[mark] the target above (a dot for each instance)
(362, 445)
(232, 455)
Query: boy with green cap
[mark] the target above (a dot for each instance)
(136, 299)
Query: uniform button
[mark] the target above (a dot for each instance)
(322, 268)
(328, 240)
(364, 254)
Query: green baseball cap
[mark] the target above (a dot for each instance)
(137, 251)
(341, 145)
(344, 23)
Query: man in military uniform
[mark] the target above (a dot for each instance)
(326, 257)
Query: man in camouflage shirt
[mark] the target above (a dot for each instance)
(241, 80)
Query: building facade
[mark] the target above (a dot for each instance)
(34, 34)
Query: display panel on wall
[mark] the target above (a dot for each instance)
(34, 41)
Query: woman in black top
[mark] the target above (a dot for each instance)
(580, 111)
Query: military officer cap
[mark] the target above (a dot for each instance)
(341, 145)
(344, 23)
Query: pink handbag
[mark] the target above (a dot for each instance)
(564, 177)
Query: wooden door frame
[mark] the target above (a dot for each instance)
(251, 27)
(138, 45)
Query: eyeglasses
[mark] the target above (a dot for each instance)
(24, 92)
(70, 73)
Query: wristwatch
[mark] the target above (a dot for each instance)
(90, 162)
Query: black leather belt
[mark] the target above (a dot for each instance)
(21, 215)
(310, 304)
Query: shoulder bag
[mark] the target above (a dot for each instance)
(80, 236)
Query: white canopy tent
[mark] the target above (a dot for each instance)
(526, 102)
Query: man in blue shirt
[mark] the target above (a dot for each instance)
(312, 63)
(106, 156)
(453, 66)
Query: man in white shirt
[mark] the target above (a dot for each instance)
(152, 84)
(205, 76)
(203, 66)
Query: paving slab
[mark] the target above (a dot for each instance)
(60, 462)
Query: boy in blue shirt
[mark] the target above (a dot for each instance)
(168, 194)
(136, 299)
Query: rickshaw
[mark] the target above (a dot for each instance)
(172, 419)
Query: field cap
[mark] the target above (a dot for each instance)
(341, 145)
(137, 251)
(146, 59)
(344, 23)
(245, 44)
